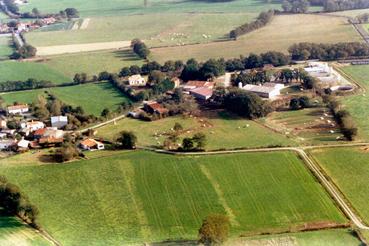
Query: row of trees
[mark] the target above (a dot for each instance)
(14, 202)
(342, 117)
(328, 52)
(263, 19)
(302, 6)
(140, 48)
(295, 6)
(29, 84)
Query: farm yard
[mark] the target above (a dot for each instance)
(357, 104)
(13, 71)
(222, 131)
(93, 98)
(14, 233)
(349, 170)
(116, 190)
(307, 126)
(279, 35)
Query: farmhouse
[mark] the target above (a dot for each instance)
(136, 80)
(154, 107)
(91, 144)
(7, 144)
(33, 125)
(59, 121)
(268, 90)
(23, 144)
(18, 109)
(202, 93)
(190, 85)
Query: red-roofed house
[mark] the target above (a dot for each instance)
(91, 144)
(202, 93)
(154, 107)
(190, 85)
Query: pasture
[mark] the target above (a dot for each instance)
(222, 131)
(93, 98)
(349, 170)
(15, 233)
(92, 63)
(134, 7)
(5, 48)
(13, 71)
(357, 104)
(334, 237)
(137, 197)
(307, 126)
(279, 35)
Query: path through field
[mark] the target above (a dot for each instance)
(76, 48)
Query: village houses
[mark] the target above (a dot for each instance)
(136, 80)
(59, 121)
(18, 109)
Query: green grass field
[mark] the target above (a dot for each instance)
(356, 104)
(5, 48)
(93, 98)
(222, 131)
(92, 63)
(134, 7)
(14, 233)
(144, 197)
(281, 33)
(335, 237)
(349, 169)
(12, 71)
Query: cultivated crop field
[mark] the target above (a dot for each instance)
(357, 104)
(144, 197)
(93, 98)
(349, 169)
(222, 131)
(13, 71)
(281, 33)
(307, 126)
(15, 233)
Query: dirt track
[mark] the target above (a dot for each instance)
(76, 48)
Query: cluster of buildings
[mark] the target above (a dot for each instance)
(27, 26)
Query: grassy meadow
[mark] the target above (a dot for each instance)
(144, 197)
(349, 170)
(281, 33)
(222, 131)
(357, 104)
(93, 98)
(5, 48)
(13, 71)
(15, 233)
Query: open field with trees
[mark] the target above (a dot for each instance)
(335, 237)
(125, 192)
(349, 170)
(93, 98)
(14, 71)
(92, 63)
(13, 233)
(279, 35)
(5, 49)
(357, 104)
(134, 7)
(222, 131)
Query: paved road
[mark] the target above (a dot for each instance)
(337, 196)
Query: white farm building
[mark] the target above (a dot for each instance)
(267, 90)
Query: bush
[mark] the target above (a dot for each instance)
(214, 229)
(127, 140)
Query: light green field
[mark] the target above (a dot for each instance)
(92, 63)
(356, 104)
(305, 126)
(13, 71)
(155, 29)
(349, 170)
(279, 35)
(222, 132)
(5, 49)
(93, 98)
(14, 233)
(144, 197)
(134, 7)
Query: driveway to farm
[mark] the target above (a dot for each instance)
(311, 164)
(76, 48)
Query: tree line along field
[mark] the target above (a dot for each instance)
(357, 104)
(134, 7)
(349, 170)
(93, 98)
(13, 233)
(279, 35)
(137, 197)
(222, 131)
